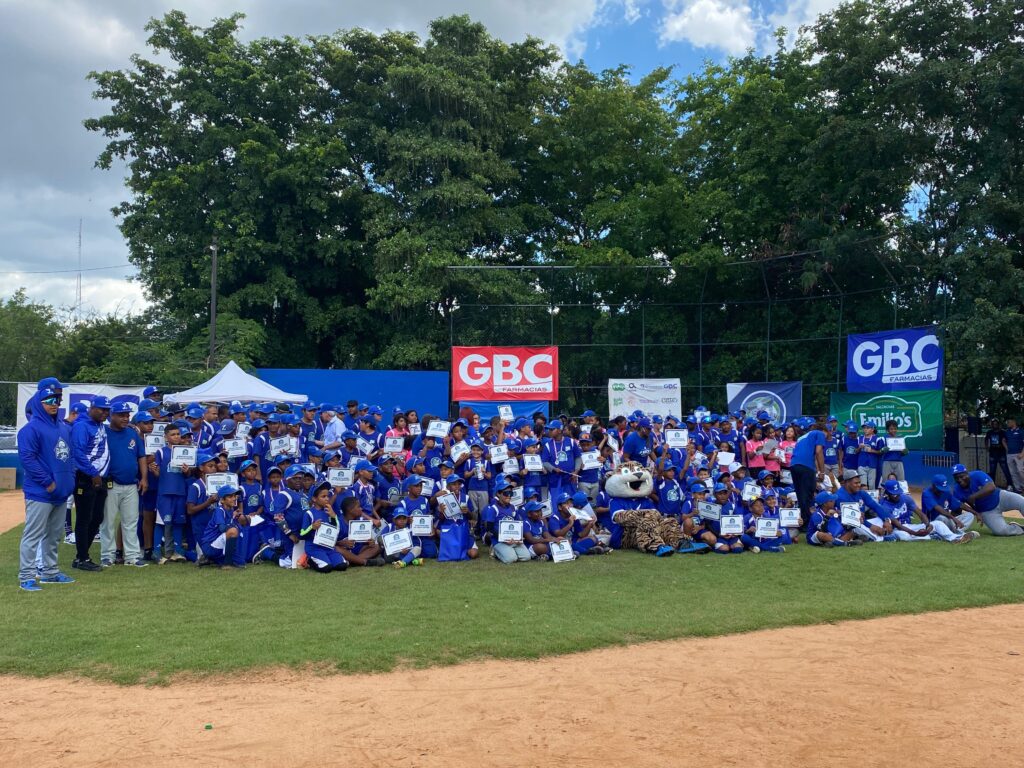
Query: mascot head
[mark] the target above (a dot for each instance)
(630, 481)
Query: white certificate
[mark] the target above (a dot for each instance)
(428, 486)
(850, 513)
(561, 551)
(779, 454)
(613, 441)
(154, 443)
(786, 477)
(709, 484)
(725, 458)
(326, 535)
(751, 491)
(731, 525)
(677, 438)
(904, 486)
(498, 453)
(585, 429)
(449, 506)
(293, 445)
(364, 446)
(459, 450)
(511, 466)
(422, 525)
(709, 511)
(584, 515)
(415, 429)
(218, 480)
(789, 517)
(698, 457)
(341, 478)
(698, 415)
(533, 462)
(360, 530)
(394, 444)
(510, 530)
(767, 528)
(279, 446)
(590, 460)
(397, 541)
(439, 429)
(517, 496)
(547, 507)
(184, 454)
(242, 429)
(505, 412)
(236, 448)
(872, 492)
(159, 427)
(896, 443)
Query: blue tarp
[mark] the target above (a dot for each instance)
(488, 409)
(424, 391)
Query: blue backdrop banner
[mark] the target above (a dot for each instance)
(892, 360)
(488, 408)
(782, 399)
(424, 391)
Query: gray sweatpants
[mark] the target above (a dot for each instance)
(894, 467)
(478, 501)
(1016, 471)
(122, 505)
(1008, 502)
(868, 476)
(44, 530)
(591, 490)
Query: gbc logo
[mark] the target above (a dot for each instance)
(477, 370)
(897, 361)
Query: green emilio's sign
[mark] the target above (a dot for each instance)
(918, 414)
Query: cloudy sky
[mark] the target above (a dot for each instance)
(47, 179)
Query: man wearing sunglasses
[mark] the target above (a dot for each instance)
(91, 454)
(44, 447)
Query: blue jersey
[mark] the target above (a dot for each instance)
(848, 445)
(931, 498)
(292, 505)
(216, 524)
(126, 448)
(670, 497)
(637, 448)
(825, 522)
(172, 481)
(862, 500)
(978, 481)
(870, 460)
(312, 515)
(561, 454)
(806, 447)
(902, 509)
(198, 494)
(831, 449)
(432, 459)
(1014, 440)
(252, 498)
(89, 449)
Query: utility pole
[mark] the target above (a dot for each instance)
(213, 300)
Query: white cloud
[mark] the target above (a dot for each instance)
(725, 25)
(795, 14)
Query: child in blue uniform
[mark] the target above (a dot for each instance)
(536, 536)
(824, 529)
(724, 544)
(321, 557)
(358, 553)
(170, 501)
(219, 542)
(199, 502)
(750, 539)
(406, 557)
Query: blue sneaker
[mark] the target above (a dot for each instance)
(891, 537)
(664, 551)
(57, 578)
(30, 585)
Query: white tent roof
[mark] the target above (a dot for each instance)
(232, 383)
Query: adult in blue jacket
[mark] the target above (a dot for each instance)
(91, 455)
(808, 466)
(44, 447)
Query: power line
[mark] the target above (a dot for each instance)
(62, 271)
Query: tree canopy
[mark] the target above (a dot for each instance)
(865, 177)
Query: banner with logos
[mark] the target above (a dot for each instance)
(918, 415)
(908, 359)
(655, 397)
(782, 399)
(504, 373)
(74, 393)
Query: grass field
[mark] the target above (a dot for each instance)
(128, 625)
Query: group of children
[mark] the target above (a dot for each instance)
(332, 487)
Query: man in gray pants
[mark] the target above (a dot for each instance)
(978, 492)
(44, 447)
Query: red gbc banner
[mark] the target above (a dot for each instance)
(504, 373)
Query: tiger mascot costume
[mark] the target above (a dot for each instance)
(632, 519)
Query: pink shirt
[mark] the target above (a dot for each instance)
(754, 459)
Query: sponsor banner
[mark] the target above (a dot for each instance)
(782, 399)
(652, 396)
(910, 359)
(504, 373)
(74, 393)
(918, 415)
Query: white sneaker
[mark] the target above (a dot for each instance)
(755, 550)
(70, 538)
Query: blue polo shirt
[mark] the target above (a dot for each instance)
(803, 451)
(126, 448)
(978, 481)
(933, 497)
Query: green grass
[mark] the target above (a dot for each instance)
(128, 625)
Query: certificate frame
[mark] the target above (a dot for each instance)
(154, 443)
(896, 443)
(498, 453)
(590, 460)
(677, 438)
(789, 517)
(394, 445)
(767, 528)
(218, 480)
(510, 530)
(708, 510)
(236, 447)
(421, 525)
(849, 514)
(561, 551)
(184, 454)
(532, 462)
(360, 530)
(340, 477)
(731, 525)
(439, 429)
(449, 506)
(505, 412)
(396, 541)
(326, 535)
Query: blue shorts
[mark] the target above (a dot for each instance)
(171, 509)
(322, 555)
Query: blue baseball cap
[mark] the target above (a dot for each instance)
(151, 390)
(120, 407)
(283, 458)
(556, 424)
(643, 421)
(141, 417)
(763, 416)
(259, 424)
(691, 419)
(376, 409)
(195, 412)
(145, 404)
(49, 383)
(228, 490)
(348, 434)
(533, 506)
(832, 417)
(763, 474)
(563, 498)
(100, 402)
(204, 457)
(236, 408)
(959, 469)
(719, 487)
(579, 499)
(363, 407)
(448, 463)
(274, 418)
(668, 466)
(227, 427)
(588, 413)
(79, 407)
(364, 466)
(940, 481)
(697, 486)
(501, 484)
(413, 480)
(293, 470)
(851, 425)
(183, 425)
(892, 487)
(657, 419)
(824, 497)
(246, 464)
(413, 461)
(263, 408)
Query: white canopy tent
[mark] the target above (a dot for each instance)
(232, 383)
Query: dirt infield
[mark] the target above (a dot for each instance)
(12, 510)
(937, 689)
